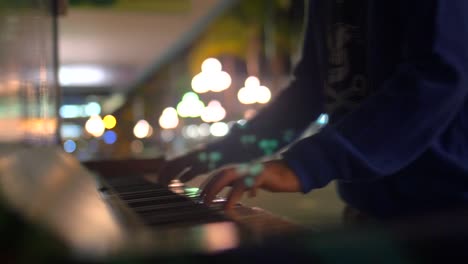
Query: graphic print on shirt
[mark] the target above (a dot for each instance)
(346, 84)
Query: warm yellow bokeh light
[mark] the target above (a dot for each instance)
(190, 106)
(169, 118)
(142, 129)
(219, 129)
(263, 95)
(211, 65)
(220, 81)
(253, 92)
(198, 84)
(109, 121)
(245, 96)
(213, 112)
(211, 78)
(252, 81)
(95, 126)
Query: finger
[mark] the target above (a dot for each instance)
(188, 175)
(253, 192)
(235, 194)
(215, 176)
(207, 180)
(217, 183)
(171, 169)
(175, 173)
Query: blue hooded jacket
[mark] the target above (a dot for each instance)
(393, 75)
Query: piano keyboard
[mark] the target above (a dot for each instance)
(157, 206)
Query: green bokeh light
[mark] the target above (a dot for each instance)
(288, 135)
(268, 145)
(215, 156)
(192, 191)
(203, 157)
(190, 96)
(242, 169)
(249, 182)
(255, 169)
(248, 139)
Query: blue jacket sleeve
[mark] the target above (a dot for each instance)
(397, 124)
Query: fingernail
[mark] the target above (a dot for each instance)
(184, 171)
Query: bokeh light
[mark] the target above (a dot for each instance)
(322, 119)
(72, 111)
(110, 137)
(190, 105)
(249, 114)
(269, 146)
(69, 146)
(80, 110)
(109, 121)
(204, 130)
(93, 108)
(242, 122)
(252, 81)
(95, 126)
(190, 131)
(169, 118)
(136, 146)
(213, 112)
(167, 135)
(82, 75)
(211, 78)
(220, 81)
(142, 129)
(211, 65)
(69, 130)
(219, 129)
(253, 92)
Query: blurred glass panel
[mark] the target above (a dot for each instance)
(28, 90)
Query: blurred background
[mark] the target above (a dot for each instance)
(150, 77)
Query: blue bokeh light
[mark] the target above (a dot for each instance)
(92, 108)
(322, 119)
(110, 137)
(69, 146)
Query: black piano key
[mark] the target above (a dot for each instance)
(146, 207)
(143, 193)
(134, 188)
(150, 198)
(158, 206)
